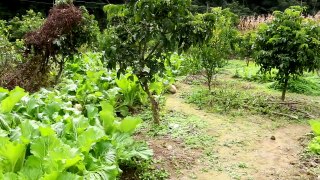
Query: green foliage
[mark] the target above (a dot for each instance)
(142, 35)
(71, 131)
(91, 83)
(211, 55)
(249, 72)
(233, 101)
(245, 44)
(57, 2)
(314, 145)
(11, 100)
(289, 44)
(69, 144)
(19, 26)
(9, 53)
(301, 85)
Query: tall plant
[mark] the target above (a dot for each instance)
(142, 34)
(212, 54)
(290, 44)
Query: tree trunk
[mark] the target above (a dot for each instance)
(61, 66)
(284, 89)
(154, 104)
(209, 83)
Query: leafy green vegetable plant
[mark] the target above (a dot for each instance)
(64, 142)
(314, 145)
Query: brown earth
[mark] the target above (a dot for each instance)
(244, 147)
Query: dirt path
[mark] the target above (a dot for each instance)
(244, 149)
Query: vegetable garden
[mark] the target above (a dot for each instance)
(161, 92)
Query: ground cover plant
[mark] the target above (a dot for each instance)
(83, 130)
(94, 110)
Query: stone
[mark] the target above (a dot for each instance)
(172, 89)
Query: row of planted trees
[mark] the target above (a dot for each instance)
(141, 35)
(81, 128)
(289, 43)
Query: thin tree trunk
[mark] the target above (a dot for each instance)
(61, 66)
(209, 83)
(154, 104)
(284, 89)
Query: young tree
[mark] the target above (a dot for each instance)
(212, 54)
(142, 34)
(290, 44)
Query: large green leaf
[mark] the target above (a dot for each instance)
(64, 156)
(30, 173)
(89, 137)
(11, 154)
(43, 145)
(14, 97)
(92, 111)
(129, 124)
(3, 93)
(107, 116)
(29, 130)
(315, 126)
(105, 172)
(10, 176)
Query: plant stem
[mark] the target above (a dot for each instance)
(154, 104)
(284, 89)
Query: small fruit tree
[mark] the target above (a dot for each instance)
(212, 54)
(141, 35)
(290, 44)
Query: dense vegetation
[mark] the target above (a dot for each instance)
(73, 92)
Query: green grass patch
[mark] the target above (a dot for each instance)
(236, 102)
(308, 86)
(190, 129)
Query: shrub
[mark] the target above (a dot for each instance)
(289, 44)
(28, 22)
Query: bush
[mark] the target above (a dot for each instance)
(289, 44)
(301, 86)
(19, 26)
(8, 51)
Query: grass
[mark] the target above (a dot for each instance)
(308, 84)
(178, 142)
(245, 102)
(189, 129)
(238, 102)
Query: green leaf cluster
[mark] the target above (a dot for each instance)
(290, 44)
(314, 145)
(71, 131)
(212, 54)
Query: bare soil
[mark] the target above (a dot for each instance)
(247, 147)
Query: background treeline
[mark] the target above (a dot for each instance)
(10, 8)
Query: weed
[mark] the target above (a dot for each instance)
(179, 126)
(307, 86)
(231, 100)
(143, 170)
(243, 165)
